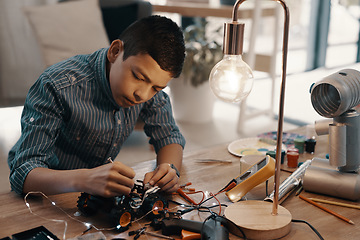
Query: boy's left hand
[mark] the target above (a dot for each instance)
(164, 177)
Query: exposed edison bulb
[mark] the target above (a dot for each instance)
(231, 79)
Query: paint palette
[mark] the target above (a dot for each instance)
(287, 138)
(252, 146)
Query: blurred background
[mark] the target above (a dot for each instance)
(324, 38)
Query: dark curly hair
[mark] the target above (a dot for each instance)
(159, 37)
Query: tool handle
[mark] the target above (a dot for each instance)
(175, 225)
(212, 229)
(187, 235)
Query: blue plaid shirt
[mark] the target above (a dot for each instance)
(70, 120)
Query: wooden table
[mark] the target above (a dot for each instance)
(15, 216)
(211, 9)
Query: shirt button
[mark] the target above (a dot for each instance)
(32, 119)
(119, 121)
(77, 138)
(115, 144)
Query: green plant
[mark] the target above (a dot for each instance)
(201, 53)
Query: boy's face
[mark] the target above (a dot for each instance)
(135, 80)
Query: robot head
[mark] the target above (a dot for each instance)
(336, 93)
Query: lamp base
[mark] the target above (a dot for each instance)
(256, 220)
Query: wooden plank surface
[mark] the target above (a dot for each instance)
(208, 177)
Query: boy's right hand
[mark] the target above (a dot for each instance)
(109, 180)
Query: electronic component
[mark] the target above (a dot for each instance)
(123, 209)
(259, 172)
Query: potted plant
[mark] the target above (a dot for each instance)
(202, 52)
(192, 98)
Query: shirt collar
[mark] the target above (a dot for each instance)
(100, 74)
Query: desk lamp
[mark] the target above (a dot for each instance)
(231, 81)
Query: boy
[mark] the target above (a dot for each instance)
(80, 111)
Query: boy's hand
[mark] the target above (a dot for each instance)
(163, 176)
(109, 180)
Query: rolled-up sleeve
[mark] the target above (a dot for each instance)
(18, 175)
(40, 122)
(160, 124)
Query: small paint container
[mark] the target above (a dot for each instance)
(299, 144)
(292, 159)
(273, 155)
(310, 145)
(292, 149)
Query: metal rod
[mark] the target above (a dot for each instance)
(281, 106)
(282, 97)
(235, 10)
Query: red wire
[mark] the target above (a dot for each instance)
(189, 199)
(231, 185)
(203, 195)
